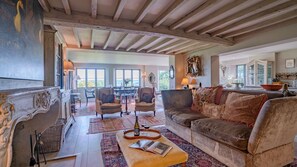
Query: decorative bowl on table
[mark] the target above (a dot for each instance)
(272, 87)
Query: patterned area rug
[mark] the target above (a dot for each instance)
(112, 157)
(97, 125)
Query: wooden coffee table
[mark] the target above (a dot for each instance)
(139, 158)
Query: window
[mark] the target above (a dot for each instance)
(240, 73)
(90, 78)
(132, 77)
(163, 80)
(82, 74)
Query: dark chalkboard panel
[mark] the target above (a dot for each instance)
(21, 40)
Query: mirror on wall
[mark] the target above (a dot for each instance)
(171, 72)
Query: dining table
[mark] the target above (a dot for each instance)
(126, 92)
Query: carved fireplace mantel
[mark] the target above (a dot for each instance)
(22, 111)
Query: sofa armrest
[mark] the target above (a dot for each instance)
(276, 125)
(177, 98)
(153, 100)
(98, 106)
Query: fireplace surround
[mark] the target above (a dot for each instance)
(22, 111)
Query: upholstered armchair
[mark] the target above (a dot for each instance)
(106, 102)
(145, 100)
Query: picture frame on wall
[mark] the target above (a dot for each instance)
(290, 63)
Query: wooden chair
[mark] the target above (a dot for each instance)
(146, 100)
(89, 93)
(103, 103)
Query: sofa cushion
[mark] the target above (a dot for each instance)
(231, 133)
(201, 95)
(173, 111)
(185, 118)
(212, 110)
(110, 106)
(243, 108)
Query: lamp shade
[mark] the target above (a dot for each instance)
(185, 81)
(193, 81)
(68, 65)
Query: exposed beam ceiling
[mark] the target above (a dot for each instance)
(171, 46)
(207, 4)
(275, 11)
(121, 41)
(45, 5)
(144, 11)
(108, 49)
(182, 47)
(94, 6)
(92, 38)
(107, 40)
(166, 14)
(134, 42)
(76, 36)
(81, 20)
(266, 23)
(165, 42)
(239, 15)
(220, 11)
(66, 7)
(119, 10)
(150, 42)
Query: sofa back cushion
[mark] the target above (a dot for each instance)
(208, 95)
(270, 94)
(243, 108)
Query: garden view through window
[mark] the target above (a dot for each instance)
(163, 80)
(90, 77)
(127, 77)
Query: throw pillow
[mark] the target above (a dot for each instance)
(146, 97)
(243, 108)
(212, 110)
(107, 98)
(202, 95)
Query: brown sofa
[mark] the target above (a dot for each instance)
(269, 143)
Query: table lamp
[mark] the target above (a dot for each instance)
(193, 82)
(185, 82)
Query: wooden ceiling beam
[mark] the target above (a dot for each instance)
(239, 15)
(187, 45)
(108, 49)
(76, 36)
(200, 47)
(134, 42)
(213, 15)
(168, 12)
(45, 5)
(145, 9)
(92, 38)
(107, 40)
(94, 6)
(59, 35)
(273, 12)
(171, 46)
(266, 23)
(121, 41)
(66, 7)
(149, 43)
(206, 5)
(162, 44)
(81, 20)
(119, 10)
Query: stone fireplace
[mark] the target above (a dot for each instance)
(22, 111)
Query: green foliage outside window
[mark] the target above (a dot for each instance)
(163, 80)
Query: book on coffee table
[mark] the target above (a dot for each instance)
(152, 146)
